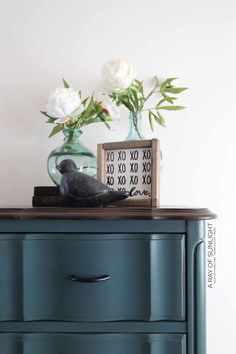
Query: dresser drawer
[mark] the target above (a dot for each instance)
(104, 277)
(10, 279)
(93, 344)
(11, 343)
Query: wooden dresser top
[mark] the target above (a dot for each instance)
(107, 213)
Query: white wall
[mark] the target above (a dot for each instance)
(43, 41)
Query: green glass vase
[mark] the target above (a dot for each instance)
(135, 127)
(73, 149)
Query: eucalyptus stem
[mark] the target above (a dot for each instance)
(135, 121)
(150, 94)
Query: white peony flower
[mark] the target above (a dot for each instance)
(117, 74)
(64, 103)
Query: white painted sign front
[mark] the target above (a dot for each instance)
(131, 166)
(130, 170)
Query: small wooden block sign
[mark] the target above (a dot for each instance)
(133, 166)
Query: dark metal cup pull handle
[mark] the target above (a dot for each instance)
(89, 280)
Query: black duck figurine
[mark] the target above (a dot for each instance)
(80, 190)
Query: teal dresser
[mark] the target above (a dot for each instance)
(102, 281)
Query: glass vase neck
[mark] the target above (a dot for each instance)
(72, 135)
(135, 126)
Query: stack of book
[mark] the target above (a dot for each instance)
(46, 196)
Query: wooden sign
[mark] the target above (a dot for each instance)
(132, 166)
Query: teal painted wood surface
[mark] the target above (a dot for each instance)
(196, 279)
(97, 327)
(76, 226)
(144, 284)
(11, 343)
(155, 296)
(11, 284)
(93, 343)
(147, 278)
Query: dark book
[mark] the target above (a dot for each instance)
(47, 200)
(46, 191)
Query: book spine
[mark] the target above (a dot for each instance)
(46, 191)
(52, 200)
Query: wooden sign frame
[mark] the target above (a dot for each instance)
(154, 145)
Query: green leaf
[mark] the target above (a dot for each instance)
(160, 102)
(127, 104)
(133, 88)
(150, 120)
(138, 82)
(66, 85)
(168, 98)
(75, 125)
(98, 119)
(167, 82)
(45, 114)
(56, 130)
(90, 110)
(160, 119)
(140, 88)
(175, 90)
(136, 100)
(84, 101)
(172, 108)
(51, 120)
(92, 120)
(105, 122)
